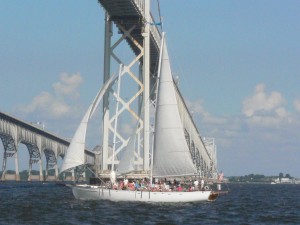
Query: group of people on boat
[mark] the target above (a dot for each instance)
(160, 185)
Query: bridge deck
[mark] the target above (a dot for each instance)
(129, 13)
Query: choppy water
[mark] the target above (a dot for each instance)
(37, 203)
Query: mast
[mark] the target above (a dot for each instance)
(156, 91)
(146, 81)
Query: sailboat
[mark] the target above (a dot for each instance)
(171, 157)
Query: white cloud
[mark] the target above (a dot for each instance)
(263, 109)
(261, 102)
(68, 85)
(45, 102)
(297, 104)
(56, 104)
(196, 108)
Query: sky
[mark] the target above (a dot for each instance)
(237, 64)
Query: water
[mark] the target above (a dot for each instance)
(37, 203)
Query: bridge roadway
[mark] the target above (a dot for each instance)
(39, 142)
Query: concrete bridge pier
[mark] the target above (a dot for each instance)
(41, 170)
(17, 174)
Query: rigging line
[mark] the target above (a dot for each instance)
(161, 25)
(153, 23)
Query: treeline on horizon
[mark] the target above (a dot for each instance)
(258, 178)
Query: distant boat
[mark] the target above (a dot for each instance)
(285, 180)
(171, 155)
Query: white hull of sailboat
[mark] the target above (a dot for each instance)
(87, 192)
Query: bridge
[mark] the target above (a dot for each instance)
(129, 22)
(134, 25)
(38, 142)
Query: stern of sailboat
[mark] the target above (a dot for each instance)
(213, 196)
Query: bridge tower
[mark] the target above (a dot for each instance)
(128, 26)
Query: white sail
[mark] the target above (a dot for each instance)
(171, 153)
(126, 164)
(75, 152)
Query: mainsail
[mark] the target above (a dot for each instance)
(75, 153)
(171, 152)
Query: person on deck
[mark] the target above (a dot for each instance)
(179, 188)
(202, 184)
(125, 183)
(121, 185)
(137, 186)
(196, 185)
